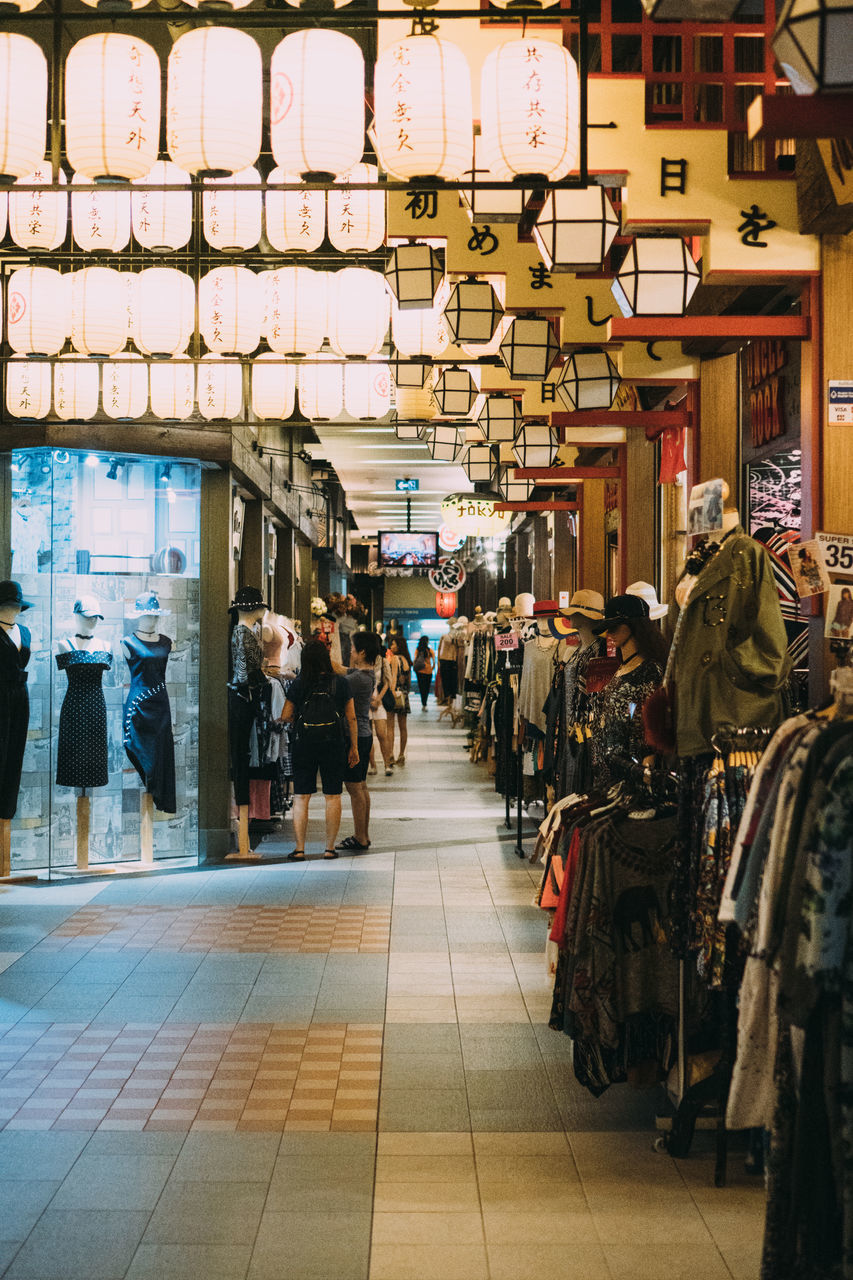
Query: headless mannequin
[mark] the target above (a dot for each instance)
(9, 622)
(731, 519)
(147, 630)
(245, 618)
(84, 639)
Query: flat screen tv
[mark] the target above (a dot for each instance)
(408, 550)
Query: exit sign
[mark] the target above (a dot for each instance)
(407, 485)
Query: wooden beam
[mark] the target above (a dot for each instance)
(681, 328)
(657, 419)
(536, 506)
(816, 116)
(566, 473)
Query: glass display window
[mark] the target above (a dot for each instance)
(120, 534)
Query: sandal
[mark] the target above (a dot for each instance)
(355, 845)
(330, 853)
(298, 855)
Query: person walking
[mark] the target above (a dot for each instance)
(424, 665)
(320, 705)
(401, 671)
(361, 680)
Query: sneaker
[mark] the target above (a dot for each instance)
(372, 770)
(389, 773)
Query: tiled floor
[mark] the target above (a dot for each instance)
(329, 1072)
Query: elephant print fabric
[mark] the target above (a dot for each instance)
(637, 918)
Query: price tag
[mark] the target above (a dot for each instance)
(837, 552)
(563, 600)
(506, 640)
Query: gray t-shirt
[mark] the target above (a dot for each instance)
(361, 688)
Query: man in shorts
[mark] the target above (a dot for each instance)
(360, 678)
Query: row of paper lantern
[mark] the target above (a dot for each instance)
(232, 221)
(423, 106)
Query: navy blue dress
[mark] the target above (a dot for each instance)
(148, 739)
(14, 717)
(81, 755)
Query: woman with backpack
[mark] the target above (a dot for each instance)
(424, 665)
(320, 706)
(401, 669)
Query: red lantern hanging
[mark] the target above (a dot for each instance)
(445, 603)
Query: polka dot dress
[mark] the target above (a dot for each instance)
(81, 759)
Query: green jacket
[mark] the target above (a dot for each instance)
(730, 660)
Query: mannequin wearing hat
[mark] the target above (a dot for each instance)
(584, 609)
(245, 709)
(148, 741)
(15, 643)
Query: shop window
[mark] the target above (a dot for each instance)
(666, 53)
(708, 54)
(627, 53)
(749, 54)
(709, 102)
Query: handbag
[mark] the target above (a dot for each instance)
(399, 700)
(388, 701)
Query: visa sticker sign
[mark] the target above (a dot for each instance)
(840, 406)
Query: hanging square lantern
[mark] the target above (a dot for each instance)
(500, 419)
(516, 490)
(414, 273)
(473, 311)
(480, 464)
(295, 220)
(529, 110)
(445, 442)
(172, 390)
(535, 445)
(23, 105)
(112, 107)
(455, 393)
(575, 229)
(657, 278)
(407, 430)
(812, 44)
(273, 387)
(357, 218)
(589, 380)
(423, 109)
(529, 349)
(408, 371)
(28, 388)
(163, 220)
(232, 219)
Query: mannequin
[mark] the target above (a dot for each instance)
(247, 680)
(280, 645)
(148, 740)
(82, 751)
(15, 644)
(539, 651)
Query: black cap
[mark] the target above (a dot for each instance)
(10, 593)
(621, 611)
(248, 598)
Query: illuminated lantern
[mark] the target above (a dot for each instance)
(359, 310)
(76, 384)
(535, 445)
(295, 310)
(445, 442)
(415, 404)
(212, 5)
(812, 43)
(220, 388)
(499, 419)
(232, 219)
(38, 220)
(112, 106)
(28, 388)
(124, 393)
(575, 229)
(407, 372)
(529, 349)
(407, 430)
(23, 105)
(4, 214)
(474, 514)
(367, 391)
(445, 603)
(38, 312)
(317, 103)
(423, 109)
(172, 390)
(99, 323)
(231, 310)
(516, 490)
(24, 6)
(163, 220)
(294, 219)
(357, 218)
(484, 206)
(657, 278)
(588, 380)
(115, 6)
(273, 387)
(423, 332)
(214, 101)
(321, 391)
(414, 273)
(473, 312)
(480, 465)
(455, 392)
(165, 311)
(529, 110)
(100, 220)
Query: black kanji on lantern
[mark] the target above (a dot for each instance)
(673, 176)
(755, 221)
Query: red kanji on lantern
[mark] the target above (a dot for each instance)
(445, 603)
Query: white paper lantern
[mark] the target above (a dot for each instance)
(657, 278)
(535, 445)
(231, 310)
(112, 106)
(575, 229)
(486, 206)
(357, 218)
(28, 388)
(499, 419)
(99, 316)
(124, 392)
(423, 109)
(455, 392)
(529, 110)
(273, 387)
(38, 311)
(220, 388)
(445, 442)
(232, 219)
(214, 101)
(23, 6)
(423, 332)
(38, 220)
(4, 214)
(359, 310)
(165, 311)
(367, 391)
(317, 103)
(172, 390)
(295, 220)
(529, 349)
(163, 220)
(76, 384)
(321, 390)
(415, 404)
(588, 380)
(295, 310)
(23, 105)
(100, 220)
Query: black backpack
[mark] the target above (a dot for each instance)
(318, 723)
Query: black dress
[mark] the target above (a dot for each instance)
(81, 757)
(14, 717)
(148, 738)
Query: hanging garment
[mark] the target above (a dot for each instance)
(148, 740)
(14, 716)
(617, 724)
(82, 750)
(247, 710)
(536, 680)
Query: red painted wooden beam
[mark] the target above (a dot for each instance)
(679, 328)
(566, 473)
(536, 506)
(818, 116)
(659, 419)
